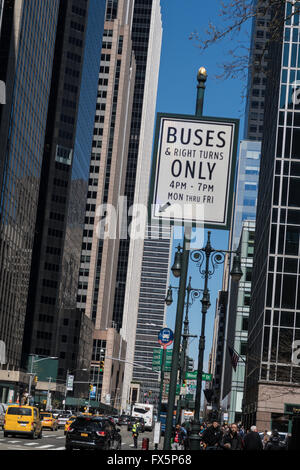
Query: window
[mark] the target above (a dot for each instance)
(243, 348)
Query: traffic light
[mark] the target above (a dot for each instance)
(184, 383)
(91, 387)
(35, 379)
(101, 367)
(190, 364)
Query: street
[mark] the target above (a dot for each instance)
(55, 440)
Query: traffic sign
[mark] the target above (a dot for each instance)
(157, 359)
(193, 376)
(193, 169)
(165, 337)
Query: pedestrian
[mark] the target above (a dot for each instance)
(242, 431)
(178, 438)
(232, 439)
(274, 442)
(266, 438)
(135, 434)
(212, 437)
(252, 440)
(186, 429)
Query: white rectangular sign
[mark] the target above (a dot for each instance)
(195, 160)
(70, 382)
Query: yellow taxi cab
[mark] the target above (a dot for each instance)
(48, 420)
(22, 420)
(68, 423)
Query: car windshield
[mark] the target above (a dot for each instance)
(87, 424)
(46, 415)
(18, 410)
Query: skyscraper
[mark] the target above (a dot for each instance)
(242, 237)
(151, 316)
(122, 148)
(52, 319)
(273, 371)
(28, 39)
(98, 266)
(147, 37)
(257, 78)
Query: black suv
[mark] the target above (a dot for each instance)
(133, 420)
(89, 432)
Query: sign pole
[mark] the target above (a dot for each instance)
(162, 376)
(201, 77)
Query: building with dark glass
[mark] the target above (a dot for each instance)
(257, 73)
(54, 326)
(272, 385)
(27, 41)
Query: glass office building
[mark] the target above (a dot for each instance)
(246, 187)
(273, 373)
(32, 44)
(53, 326)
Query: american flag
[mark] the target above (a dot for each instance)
(234, 357)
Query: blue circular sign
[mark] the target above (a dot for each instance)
(165, 336)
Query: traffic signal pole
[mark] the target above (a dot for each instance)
(201, 77)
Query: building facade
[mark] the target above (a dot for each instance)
(151, 316)
(237, 330)
(272, 371)
(28, 58)
(103, 214)
(53, 327)
(147, 38)
(257, 78)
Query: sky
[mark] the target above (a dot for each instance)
(177, 89)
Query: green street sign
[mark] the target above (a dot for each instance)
(193, 376)
(177, 389)
(157, 359)
(207, 377)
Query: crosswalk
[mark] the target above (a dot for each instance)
(36, 445)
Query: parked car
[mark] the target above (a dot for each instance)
(93, 433)
(123, 419)
(48, 420)
(133, 420)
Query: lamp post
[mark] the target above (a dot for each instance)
(182, 259)
(210, 258)
(35, 361)
(192, 295)
(66, 386)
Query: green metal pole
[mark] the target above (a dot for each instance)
(201, 77)
(162, 376)
(176, 344)
(183, 352)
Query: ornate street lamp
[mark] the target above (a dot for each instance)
(210, 258)
(176, 268)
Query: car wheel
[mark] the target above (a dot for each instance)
(5, 434)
